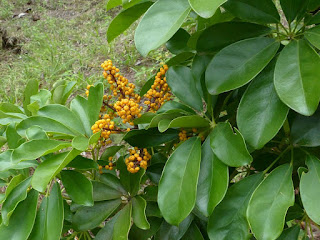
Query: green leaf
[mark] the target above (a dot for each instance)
(78, 187)
(9, 107)
(125, 18)
(178, 183)
(229, 217)
(36, 133)
(296, 73)
(113, 3)
(82, 163)
(110, 152)
(113, 182)
(63, 115)
(102, 192)
(170, 105)
(130, 181)
(221, 35)
(149, 138)
(12, 184)
(80, 143)
(39, 227)
(290, 233)
(13, 138)
(55, 214)
(294, 8)
(313, 4)
(269, 203)
(261, 121)
(182, 84)
(199, 66)
(170, 232)
(31, 89)
(50, 168)
(61, 92)
(206, 8)
(95, 102)
(309, 188)
(40, 99)
(90, 217)
(123, 223)
(213, 180)
(194, 121)
(239, 63)
(3, 141)
(178, 43)
(181, 59)
(139, 234)
(18, 194)
(262, 11)
(79, 106)
(168, 115)
(304, 130)
(313, 35)
(47, 124)
(193, 233)
(160, 23)
(22, 219)
(118, 227)
(139, 213)
(228, 146)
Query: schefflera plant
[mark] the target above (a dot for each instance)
(250, 71)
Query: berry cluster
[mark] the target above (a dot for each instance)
(159, 92)
(138, 158)
(128, 109)
(107, 167)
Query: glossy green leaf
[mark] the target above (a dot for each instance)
(296, 74)
(213, 180)
(18, 194)
(309, 188)
(9, 107)
(262, 11)
(22, 220)
(39, 227)
(63, 115)
(199, 66)
(139, 212)
(13, 138)
(95, 102)
(12, 184)
(261, 121)
(304, 130)
(3, 141)
(294, 8)
(229, 217)
(181, 59)
(182, 84)
(315, 19)
(31, 89)
(50, 168)
(82, 163)
(78, 187)
(130, 181)
(36, 133)
(206, 8)
(125, 18)
(139, 234)
(221, 35)
(122, 225)
(113, 3)
(313, 35)
(110, 152)
(184, 122)
(168, 115)
(7, 118)
(290, 233)
(55, 214)
(229, 146)
(112, 181)
(178, 183)
(160, 23)
(79, 106)
(193, 233)
(90, 217)
(269, 203)
(239, 63)
(47, 124)
(170, 232)
(61, 93)
(118, 227)
(149, 138)
(80, 143)
(102, 192)
(178, 43)
(170, 105)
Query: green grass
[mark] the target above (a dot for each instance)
(68, 42)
